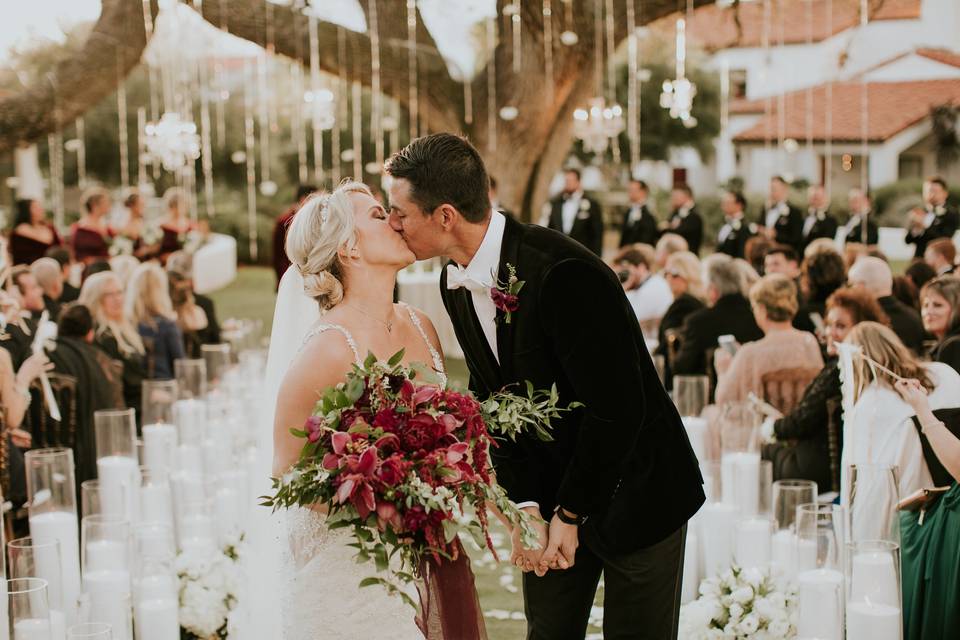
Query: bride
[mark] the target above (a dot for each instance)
(344, 261)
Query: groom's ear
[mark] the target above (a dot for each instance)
(447, 216)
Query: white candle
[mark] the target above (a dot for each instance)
(105, 555)
(717, 521)
(783, 553)
(753, 543)
(31, 629)
(874, 579)
(106, 584)
(215, 459)
(62, 527)
(157, 619)
(696, 429)
(740, 475)
(157, 537)
(156, 587)
(112, 607)
(156, 503)
(227, 513)
(159, 444)
(190, 459)
(58, 625)
(691, 569)
(119, 483)
(806, 554)
(820, 604)
(869, 621)
(196, 533)
(190, 415)
(4, 617)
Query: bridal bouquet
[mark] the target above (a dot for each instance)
(405, 466)
(740, 604)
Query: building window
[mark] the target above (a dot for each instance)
(738, 83)
(910, 167)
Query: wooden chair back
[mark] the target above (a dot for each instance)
(834, 440)
(783, 388)
(46, 431)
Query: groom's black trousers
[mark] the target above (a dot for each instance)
(641, 596)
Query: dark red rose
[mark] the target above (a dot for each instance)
(393, 470)
(387, 419)
(415, 519)
(506, 302)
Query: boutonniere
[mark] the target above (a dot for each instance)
(736, 224)
(584, 204)
(939, 210)
(504, 294)
(821, 215)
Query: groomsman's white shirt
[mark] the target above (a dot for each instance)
(570, 210)
(651, 299)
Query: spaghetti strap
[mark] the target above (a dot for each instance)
(320, 328)
(434, 354)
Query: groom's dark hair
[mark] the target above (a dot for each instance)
(444, 168)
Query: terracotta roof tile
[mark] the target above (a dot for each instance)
(892, 107)
(941, 55)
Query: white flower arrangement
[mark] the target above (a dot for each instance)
(209, 590)
(192, 241)
(121, 246)
(740, 604)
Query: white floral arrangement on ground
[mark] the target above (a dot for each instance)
(209, 591)
(740, 604)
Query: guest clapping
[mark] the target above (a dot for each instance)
(940, 310)
(91, 234)
(774, 303)
(32, 234)
(149, 308)
(936, 220)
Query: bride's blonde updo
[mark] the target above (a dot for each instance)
(322, 226)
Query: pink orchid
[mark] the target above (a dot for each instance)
(424, 394)
(356, 485)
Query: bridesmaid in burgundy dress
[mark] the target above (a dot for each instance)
(176, 225)
(136, 227)
(32, 234)
(91, 234)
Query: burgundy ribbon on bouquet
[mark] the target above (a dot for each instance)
(449, 606)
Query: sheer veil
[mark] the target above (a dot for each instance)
(260, 610)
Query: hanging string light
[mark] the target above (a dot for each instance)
(512, 11)
(340, 106)
(467, 99)
(206, 147)
(314, 100)
(172, 142)
(79, 146)
(569, 36)
(809, 93)
(141, 148)
(782, 93)
(251, 159)
(612, 76)
(356, 139)
(633, 70)
(376, 98)
(152, 80)
(765, 76)
(864, 114)
(220, 86)
(548, 50)
(598, 124)
(271, 49)
(55, 156)
(678, 94)
(492, 87)
(413, 105)
(828, 150)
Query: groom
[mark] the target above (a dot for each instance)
(616, 486)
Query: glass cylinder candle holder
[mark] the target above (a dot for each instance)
(821, 536)
(712, 481)
(191, 376)
(113, 609)
(52, 497)
(29, 609)
(30, 559)
(873, 492)
(92, 501)
(196, 524)
(787, 495)
(219, 360)
(117, 466)
(718, 522)
(105, 550)
(753, 539)
(874, 610)
(740, 455)
(156, 593)
(159, 426)
(154, 540)
(156, 496)
(691, 394)
(820, 604)
(90, 631)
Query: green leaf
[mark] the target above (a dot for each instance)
(341, 400)
(369, 582)
(380, 558)
(396, 358)
(354, 390)
(298, 433)
(370, 361)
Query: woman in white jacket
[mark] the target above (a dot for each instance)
(879, 429)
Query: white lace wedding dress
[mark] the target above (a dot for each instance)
(323, 599)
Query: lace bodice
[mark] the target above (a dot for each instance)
(414, 318)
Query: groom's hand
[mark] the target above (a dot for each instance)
(520, 556)
(561, 546)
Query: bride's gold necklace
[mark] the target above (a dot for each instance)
(388, 325)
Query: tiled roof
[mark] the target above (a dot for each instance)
(891, 106)
(944, 56)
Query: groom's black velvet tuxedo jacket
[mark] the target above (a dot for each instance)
(623, 459)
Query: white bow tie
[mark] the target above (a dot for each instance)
(458, 277)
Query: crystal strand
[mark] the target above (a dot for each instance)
(782, 94)
(122, 135)
(548, 49)
(357, 133)
(248, 140)
(376, 98)
(222, 93)
(598, 45)
(864, 117)
(768, 100)
(263, 117)
(141, 149)
(828, 147)
(517, 42)
(395, 131)
(467, 100)
(296, 127)
(612, 75)
(809, 109)
(340, 115)
(82, 152)
(492, 87)
(55, 157)
(315, 102)
(206, 148)
(271, 48)
(412, 79)
(632, 71)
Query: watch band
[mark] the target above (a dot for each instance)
(564, 518)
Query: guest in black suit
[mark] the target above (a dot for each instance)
(819, 223)
(639, 224)
(573, 328)
(853, 230)
(685, 221)
(940, 310)
(937, 220)
(733, 235)
(495, 201)
(729, 313)
(781, 221)
(50, 278)
(874, 275)
(575, 215)
(62, 256)
(941, 255)
(683, 274)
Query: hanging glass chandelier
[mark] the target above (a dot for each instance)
(678, 94)
(596, 125)
(172, 141)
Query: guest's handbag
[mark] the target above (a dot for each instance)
(921, 499)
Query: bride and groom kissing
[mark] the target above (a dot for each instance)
(611, 493)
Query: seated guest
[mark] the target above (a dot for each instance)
(175, 224)
(920, 273)
(940, 311)
(31, 295)
(781, 221)
(182, 263)
(906, 292)
(820, 275)
(774, 303)
(648, 293)
(729, 313)
(783, 259)
(755, 251)
(62, 256)
(941, 255)
(860, 215)
(878, 429)
(667, 245)
(149, 308)
(937, 220)
(50, 278)
(91, 235)
(818, 245)
(749, 275)
(930, 565)
(102, 294)
(801, 450)
(685, 220)
(736, 231)
(873, 274)
(190, 317)
(682, 273)
(819, 223)
(15, 326)
(639, 223)
(95, 267)
(32, 235)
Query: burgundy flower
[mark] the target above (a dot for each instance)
(424, 394)
(506, 302)
(393, 470)
(387, 514)
(387, 419)
(355, 483)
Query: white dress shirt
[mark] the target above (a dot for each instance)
(636, 212)
(570, 210)
(775, 212)
(811, 219)
(728, 225)
(651, 299)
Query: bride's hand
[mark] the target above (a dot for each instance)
(520, 556)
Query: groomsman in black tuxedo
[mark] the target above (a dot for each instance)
(574, 214)
(819, 223)
(685, 221)
(733, 236)
(936, 220)
(639, 225)
(781, 221)
(860, 214)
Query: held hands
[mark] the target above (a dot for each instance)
(522, 557)
(556, 550)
